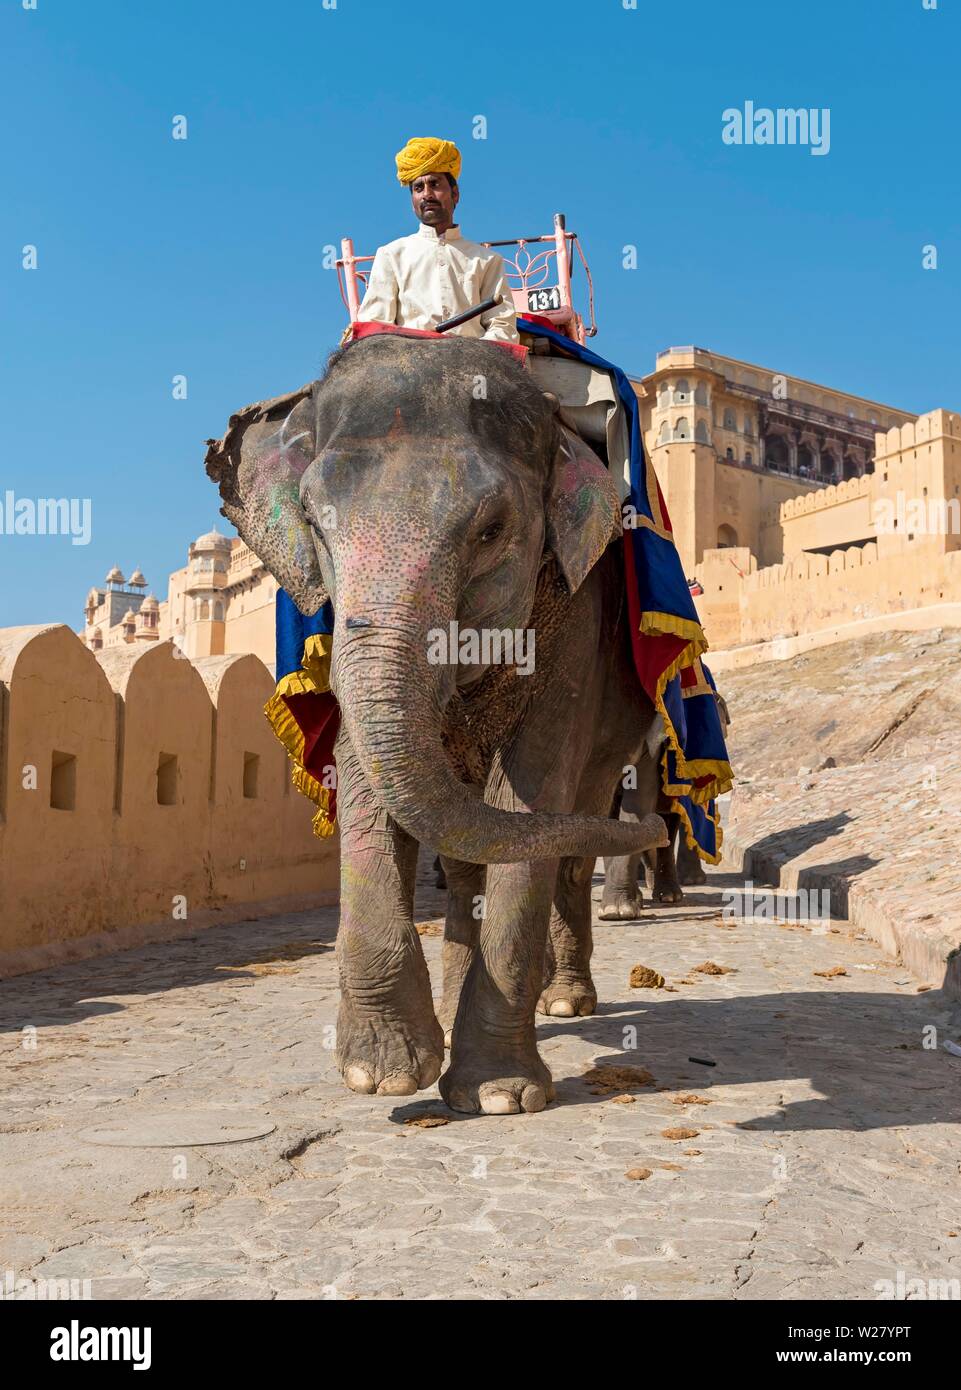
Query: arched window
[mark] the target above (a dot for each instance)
(749, 458)
(729, 454)
(204, 609)
(776, 454)
(682, 430)
(726, 537)
(665, 435)
(748, 426)
(663, 394)
(682, 391)
(805, 461)
(730, 419)
(700, 394)
(218, 612)
(700, 432)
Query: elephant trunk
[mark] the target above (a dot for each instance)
(392, 701)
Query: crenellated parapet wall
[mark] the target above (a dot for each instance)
(936, 424)
(817, 593)
(805, 567)
(141, 795)
(825, 497)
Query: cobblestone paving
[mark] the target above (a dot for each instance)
(827, 1158)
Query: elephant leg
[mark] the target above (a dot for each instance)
(568, 988)
(690, 870)
(465, 895)
(622, 900)
(388, 1040)
(665, 887)
(494, 1064)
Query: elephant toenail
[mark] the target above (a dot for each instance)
(358, 1078)
(562, 1008)
(533, 1099)
(500, 1103)
(430, 1071)
(400, 1084)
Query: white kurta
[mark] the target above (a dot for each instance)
(419, 281)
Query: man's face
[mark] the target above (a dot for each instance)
(434, 201)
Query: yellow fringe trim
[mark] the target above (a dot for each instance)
(667, 625)
(692, 844)
(313, 678)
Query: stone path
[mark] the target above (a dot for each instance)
(859, 793)
(827, 1158)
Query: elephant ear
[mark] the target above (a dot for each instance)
(258, 466)
(583, 508)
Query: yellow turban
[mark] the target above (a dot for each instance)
(425, 154)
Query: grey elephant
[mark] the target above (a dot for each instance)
(428, 489)
(665, 869)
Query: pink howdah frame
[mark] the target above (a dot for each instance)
(526, 270)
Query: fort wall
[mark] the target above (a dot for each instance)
(871, 547)
(142, 795)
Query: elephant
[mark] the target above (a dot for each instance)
(427, 488)
(621, 899)
(665, 869)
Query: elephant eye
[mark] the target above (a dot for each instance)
(490, 533)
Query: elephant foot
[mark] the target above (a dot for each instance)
(568, 999)
(388, 1056)
(502, 1083)
(692, 879)
(621, 905)
(667, 891)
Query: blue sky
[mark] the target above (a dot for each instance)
(204, 257)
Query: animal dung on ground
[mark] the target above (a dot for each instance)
(432, 928)
(679, 1133)
(689, 1100)
(691, 1153)
(638, 1174)
(605, 1080)
(832, 973)
(622, 1100)
(710, 967)
(426, 1121)
(643, 977)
